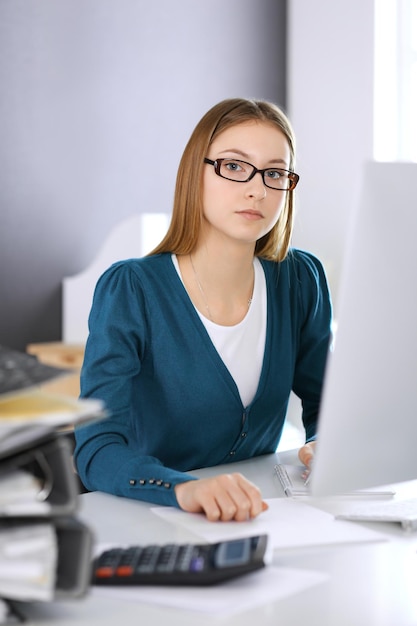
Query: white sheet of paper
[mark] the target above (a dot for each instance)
(289, 524)
(240, 594)
(28, 561)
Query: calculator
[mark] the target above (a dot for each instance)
(179, 564)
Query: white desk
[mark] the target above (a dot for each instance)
(372, 584)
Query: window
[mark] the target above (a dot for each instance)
(395, 90)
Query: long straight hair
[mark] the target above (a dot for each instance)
(187, 214)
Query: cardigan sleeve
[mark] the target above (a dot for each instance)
(314, 339)
(104, 455)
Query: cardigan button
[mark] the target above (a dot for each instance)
(167, 485)
(159, 482)
(243, 435)
(132, 482)
(232, 453)
(142, 481)
(151, 481)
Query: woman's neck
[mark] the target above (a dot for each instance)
(219, 285)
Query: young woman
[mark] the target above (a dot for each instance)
(196, 347)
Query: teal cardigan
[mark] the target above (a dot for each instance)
(173, 404)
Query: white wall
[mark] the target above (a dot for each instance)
(330, 102)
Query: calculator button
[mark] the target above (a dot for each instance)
(147, 559)
(104, 572)
(197, 564)
(124, 570)
(183, 559)
(167, 558)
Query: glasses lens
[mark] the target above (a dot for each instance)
(235, 170)
(277, 179)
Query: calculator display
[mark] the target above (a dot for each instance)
(233, 553)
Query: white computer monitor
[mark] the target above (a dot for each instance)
(367, 434)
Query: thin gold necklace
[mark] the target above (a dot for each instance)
(203, 295)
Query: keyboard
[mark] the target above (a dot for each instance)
(19, 370)
(403, 512)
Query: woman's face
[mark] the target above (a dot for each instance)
(244, 211)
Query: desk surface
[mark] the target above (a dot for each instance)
(372, 584)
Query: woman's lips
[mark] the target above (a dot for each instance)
(250, 214)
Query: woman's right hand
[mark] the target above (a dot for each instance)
(225, 497)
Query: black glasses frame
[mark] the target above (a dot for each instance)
(292, 176)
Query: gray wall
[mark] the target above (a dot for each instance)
(92, 94)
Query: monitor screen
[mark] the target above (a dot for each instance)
(367, 434)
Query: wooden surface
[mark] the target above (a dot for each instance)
(59, 354)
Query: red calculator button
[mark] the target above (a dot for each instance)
(124, 570)
(104, 572)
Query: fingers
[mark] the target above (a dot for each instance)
(238, 499)
(222, 498)
(306, 453)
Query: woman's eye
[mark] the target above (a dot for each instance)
(233, 166)
(274, 174)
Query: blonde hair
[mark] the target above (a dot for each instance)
(187, 214)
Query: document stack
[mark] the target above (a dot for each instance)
(45, 552)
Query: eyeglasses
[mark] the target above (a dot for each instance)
(243, 172)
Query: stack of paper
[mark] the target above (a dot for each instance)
(22, 491)
(28, 561)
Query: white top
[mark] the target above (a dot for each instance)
(242, 346)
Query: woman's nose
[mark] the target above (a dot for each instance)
(256, 187)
